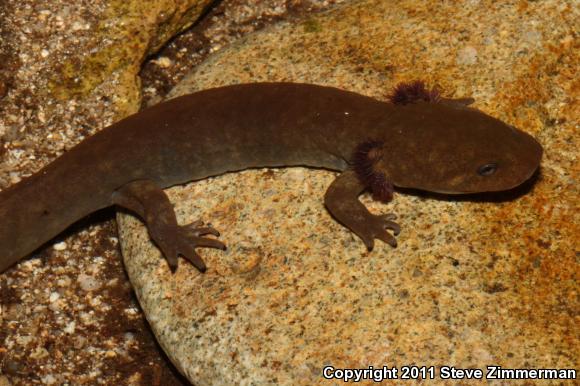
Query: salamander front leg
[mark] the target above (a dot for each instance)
(341, 200)
(148, 201)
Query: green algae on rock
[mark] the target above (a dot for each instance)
(126, 34)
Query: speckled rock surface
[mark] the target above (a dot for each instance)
(108, 58)
(471, 284)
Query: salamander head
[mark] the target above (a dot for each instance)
(448, 148)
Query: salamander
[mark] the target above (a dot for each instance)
(416, 139)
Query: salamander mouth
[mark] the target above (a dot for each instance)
(450, 193)
(527, 180)
(521, 184)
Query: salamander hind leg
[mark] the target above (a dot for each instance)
(148, 201)
(342, 202)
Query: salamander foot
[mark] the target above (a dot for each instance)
(184, 240)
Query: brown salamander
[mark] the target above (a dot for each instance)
(419, 140)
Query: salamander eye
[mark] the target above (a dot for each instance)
(487, 169)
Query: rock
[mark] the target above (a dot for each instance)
(296, 291)
(111, 58)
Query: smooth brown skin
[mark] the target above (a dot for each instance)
(430, 146)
